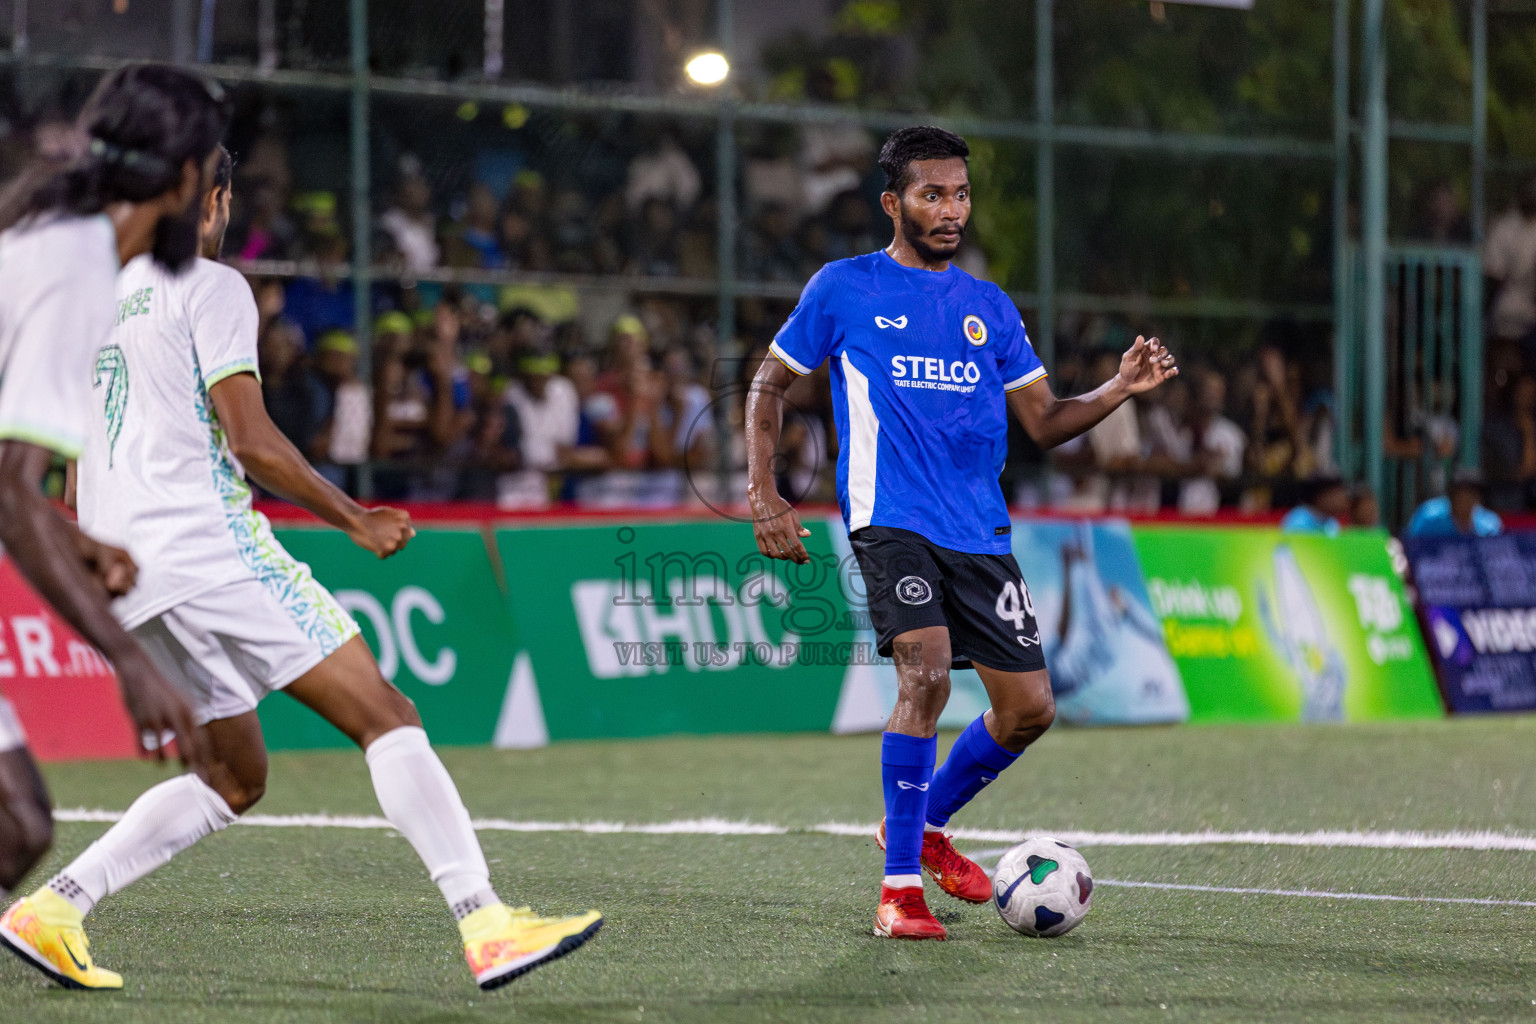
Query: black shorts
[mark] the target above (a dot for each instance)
(983, 600)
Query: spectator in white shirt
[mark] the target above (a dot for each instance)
(1509, 261)
(410, 224)
(1216, 447)
(549, 414)
(663, 172)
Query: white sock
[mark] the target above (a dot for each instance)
(932, 828)
(162, 822)
(903, 881)
(419, 798)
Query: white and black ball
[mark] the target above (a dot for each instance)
(1042, 888)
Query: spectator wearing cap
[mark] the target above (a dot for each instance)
(420, 403)
(548, 412)
(342, 440)
(318, 304)
(1325, 508)
(1457, 514)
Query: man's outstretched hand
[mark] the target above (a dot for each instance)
(1145, 365)
(776, 526)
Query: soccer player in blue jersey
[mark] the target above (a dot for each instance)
(926, 363)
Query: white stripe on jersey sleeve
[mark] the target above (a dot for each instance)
(1026, 380)
(863, 446)
(788, 360)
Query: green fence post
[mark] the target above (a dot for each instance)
(1373, 223)
(725, 242)
(1471, 359)
(1478, 199)
(362, 214)
(1343, 294)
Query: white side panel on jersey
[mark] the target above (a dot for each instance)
(863, 447)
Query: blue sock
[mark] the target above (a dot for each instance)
(906, 769)
(973, 761)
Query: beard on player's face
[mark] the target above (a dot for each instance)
(925, 240)
(177, 238)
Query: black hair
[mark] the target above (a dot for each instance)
(1468, 478)
(138, 129)
(516, 315)
(919, 142)
(1313, 488)
(223, 171)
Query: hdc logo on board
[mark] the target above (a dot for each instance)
(703, 624)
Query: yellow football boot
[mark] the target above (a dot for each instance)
(44, 931)
(502, 943)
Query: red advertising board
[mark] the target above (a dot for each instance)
(61, 686)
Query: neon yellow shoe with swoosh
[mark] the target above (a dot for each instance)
(44, 931)
(502, 943)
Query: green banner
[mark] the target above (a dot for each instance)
(1269, 626)
(643, 630)
(435, 618)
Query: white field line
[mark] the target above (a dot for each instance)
(722, 827)
(982, 856)
(1315, 893)
(1395, 840)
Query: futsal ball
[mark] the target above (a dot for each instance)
(1042, 888)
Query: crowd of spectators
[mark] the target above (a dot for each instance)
(465, 404)
(527, 392)
(807, 196)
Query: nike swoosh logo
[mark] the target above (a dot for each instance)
(899, 323)
(1007, 894)
(65, 943)
(903, 784)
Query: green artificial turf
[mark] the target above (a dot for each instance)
(309, 924)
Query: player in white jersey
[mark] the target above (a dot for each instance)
(127, 183)
(229, 616)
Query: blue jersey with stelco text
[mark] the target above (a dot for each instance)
(920, 363)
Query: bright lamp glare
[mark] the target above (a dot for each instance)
(708, 69)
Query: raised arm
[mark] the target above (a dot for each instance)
(51, 554)
(273, 462)
(1051, 421)
(775, 523)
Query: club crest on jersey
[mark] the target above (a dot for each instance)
(975, 330)
(913, 590)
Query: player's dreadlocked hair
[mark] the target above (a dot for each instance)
(920, 142)
(137, 130)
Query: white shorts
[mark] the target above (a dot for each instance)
(228, 648)
(11, 735)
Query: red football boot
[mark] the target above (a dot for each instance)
(903, 914)
(956, 873)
